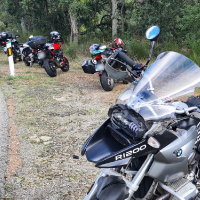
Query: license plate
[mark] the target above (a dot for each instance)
(99, 67)
(41, 55)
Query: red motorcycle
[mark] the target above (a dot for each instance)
(52, 56)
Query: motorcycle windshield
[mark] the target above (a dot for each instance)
(170, 80)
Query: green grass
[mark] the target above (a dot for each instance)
(24, 77)
(11, 78)
(5, 62)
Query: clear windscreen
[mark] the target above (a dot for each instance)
(168, 82)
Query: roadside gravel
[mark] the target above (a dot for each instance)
(4, 129)
(52, 119)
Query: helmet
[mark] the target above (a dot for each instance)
(118, 42)
(4, 35)
(55, 35)
(94, 49)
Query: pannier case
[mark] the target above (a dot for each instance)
(37, 41)
(88, 67)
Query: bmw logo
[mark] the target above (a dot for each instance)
(179, 153)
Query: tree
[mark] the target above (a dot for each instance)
(74, 26)
(114, 17)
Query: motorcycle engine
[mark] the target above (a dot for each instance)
(58, 59)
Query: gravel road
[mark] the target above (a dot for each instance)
(51, 118)
(4, 129)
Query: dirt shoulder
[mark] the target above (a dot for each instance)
(52, 117)
(4, 130)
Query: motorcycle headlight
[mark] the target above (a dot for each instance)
(130, 122)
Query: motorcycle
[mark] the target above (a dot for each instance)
(149, 147)
(97, 64)
(16, 46)
(52, 56)
(31, 48)
(134, 70)
(99, 53)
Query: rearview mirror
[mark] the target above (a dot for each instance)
(17, 36)
(152, 33)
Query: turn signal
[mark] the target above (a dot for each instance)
(153, 142)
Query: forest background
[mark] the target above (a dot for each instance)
(84, 22)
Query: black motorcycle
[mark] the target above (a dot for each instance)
(15, 45)
(31, 49)
(149, 147)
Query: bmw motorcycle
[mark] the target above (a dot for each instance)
(149, 147)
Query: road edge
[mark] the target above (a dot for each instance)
(4, 142)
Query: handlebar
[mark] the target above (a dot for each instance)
(125, 58)
(131, 71)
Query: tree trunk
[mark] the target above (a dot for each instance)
(74, 26)
(114, 17)
(47, 7)
(122, 16)
(23, 25)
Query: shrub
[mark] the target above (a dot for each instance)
(138, 49)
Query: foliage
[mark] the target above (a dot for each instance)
(71, 50)
(178, 20)
(138, 49)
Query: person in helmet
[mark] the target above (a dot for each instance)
(118, 42)
(55, 36)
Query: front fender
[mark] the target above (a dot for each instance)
(46, 62)
(65, 58)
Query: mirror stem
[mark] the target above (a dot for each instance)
(151, 50)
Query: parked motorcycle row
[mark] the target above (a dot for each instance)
(48, 55)
(149, 146)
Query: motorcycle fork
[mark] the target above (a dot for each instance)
(132, 185)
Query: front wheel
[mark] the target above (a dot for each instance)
(50, 68)
(107, 82)
(26, 62)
